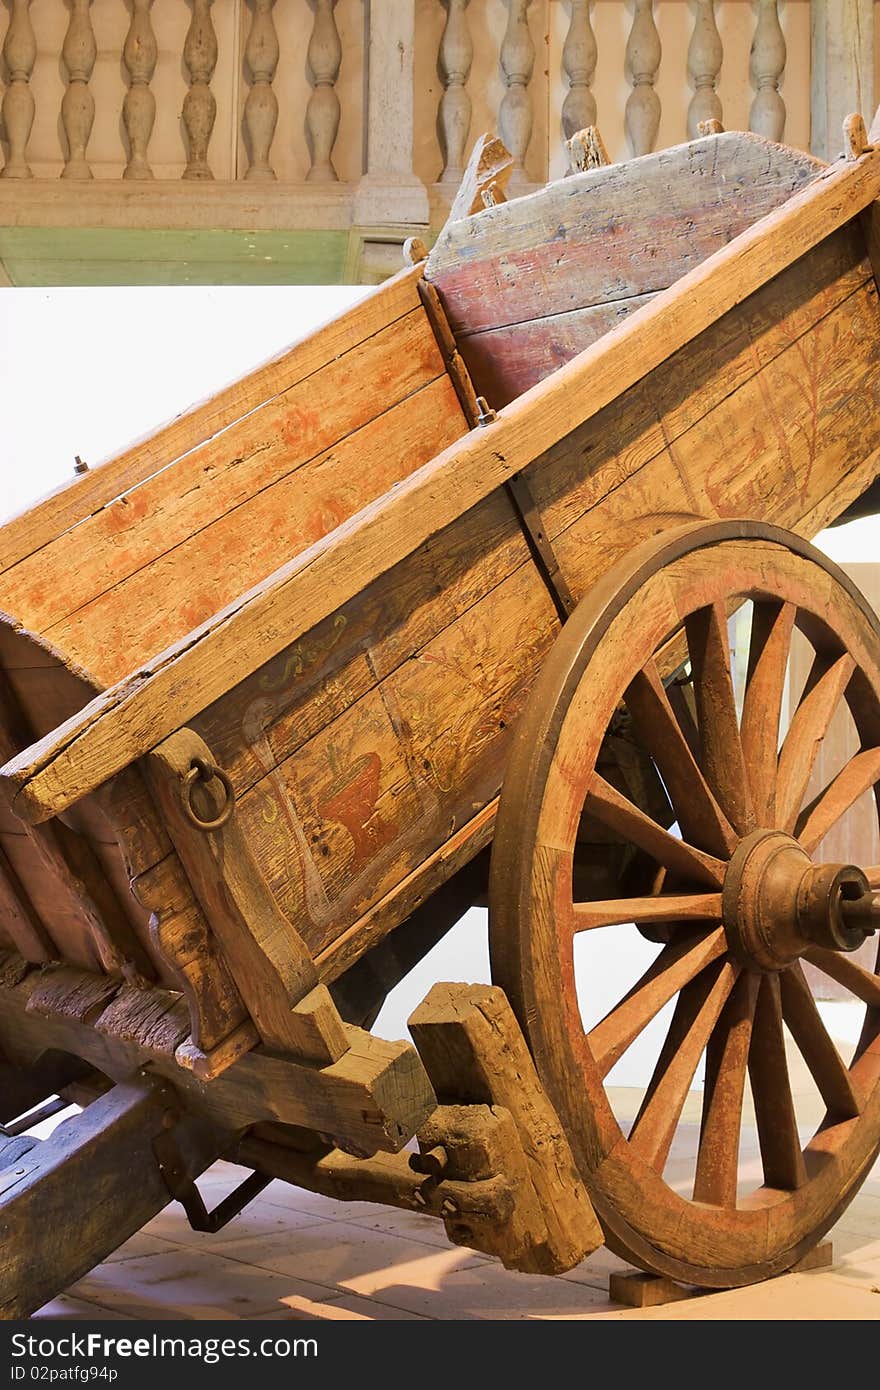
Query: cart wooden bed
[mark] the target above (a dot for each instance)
(453, 576)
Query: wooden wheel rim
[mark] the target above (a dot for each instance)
(612, 636)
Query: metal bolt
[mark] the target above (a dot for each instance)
(486, 414)
(420, 1198)
(79, 466)
(449, 1208)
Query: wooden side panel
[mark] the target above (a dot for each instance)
(503, 362)
(170, 553)
(90, 492)
(525, 291)
(366, 746)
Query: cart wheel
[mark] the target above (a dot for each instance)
(724, 883)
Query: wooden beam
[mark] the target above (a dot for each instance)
(75, 1197)
(126, 721)
(373, 1098)
(474, 1052)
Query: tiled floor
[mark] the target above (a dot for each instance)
(293, 1254)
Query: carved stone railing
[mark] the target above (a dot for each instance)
(361, 113)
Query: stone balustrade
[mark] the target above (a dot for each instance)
(362, 112)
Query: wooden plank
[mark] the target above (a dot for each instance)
(503, 362)
(189, 583)
(278, 479)
(83, 1191)
(93, 490)
(373, 1098)
(266, 954)
(684, 203)
(125, 722)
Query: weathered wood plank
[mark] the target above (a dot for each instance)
(83, 1191)
(683, 203)
(373, 1098)
(190, 581)
(91, 491)
(168, 554)
(503, 362)
(125, 722)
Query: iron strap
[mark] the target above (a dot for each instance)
(543, 553)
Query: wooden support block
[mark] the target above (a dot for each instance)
(640, 1290)
(502, 1213)
(79, 1194)
(647, 1290)
(820, 1257)
(207, 1065)
(474, 1052)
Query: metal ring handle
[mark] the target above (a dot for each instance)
(202, 771)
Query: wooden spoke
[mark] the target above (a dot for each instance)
(701, 819)
(815, 1046)
(696, 1013)
(847, 972)
(617, 812)
(826, 809)
(664, 907)
(825, 687)
(680, 695)
(769, 648)
(676, 965)
(727, 1055)
(781, 1153)
(721, 752)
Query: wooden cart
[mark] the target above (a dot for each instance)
(455, 572)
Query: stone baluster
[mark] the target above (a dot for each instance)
(517, 62)
(456, 56)
(643, 53)
(20, 54)
(139, 107)
(705, 55)
(767, 116)
(199, 105)
(842, 76)
(261, 107)
(389, 190)
(79, 52)
(322, 112)
(579, 64)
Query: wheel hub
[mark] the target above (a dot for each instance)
(777, 904)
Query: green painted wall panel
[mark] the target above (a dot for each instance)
(35, 256)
